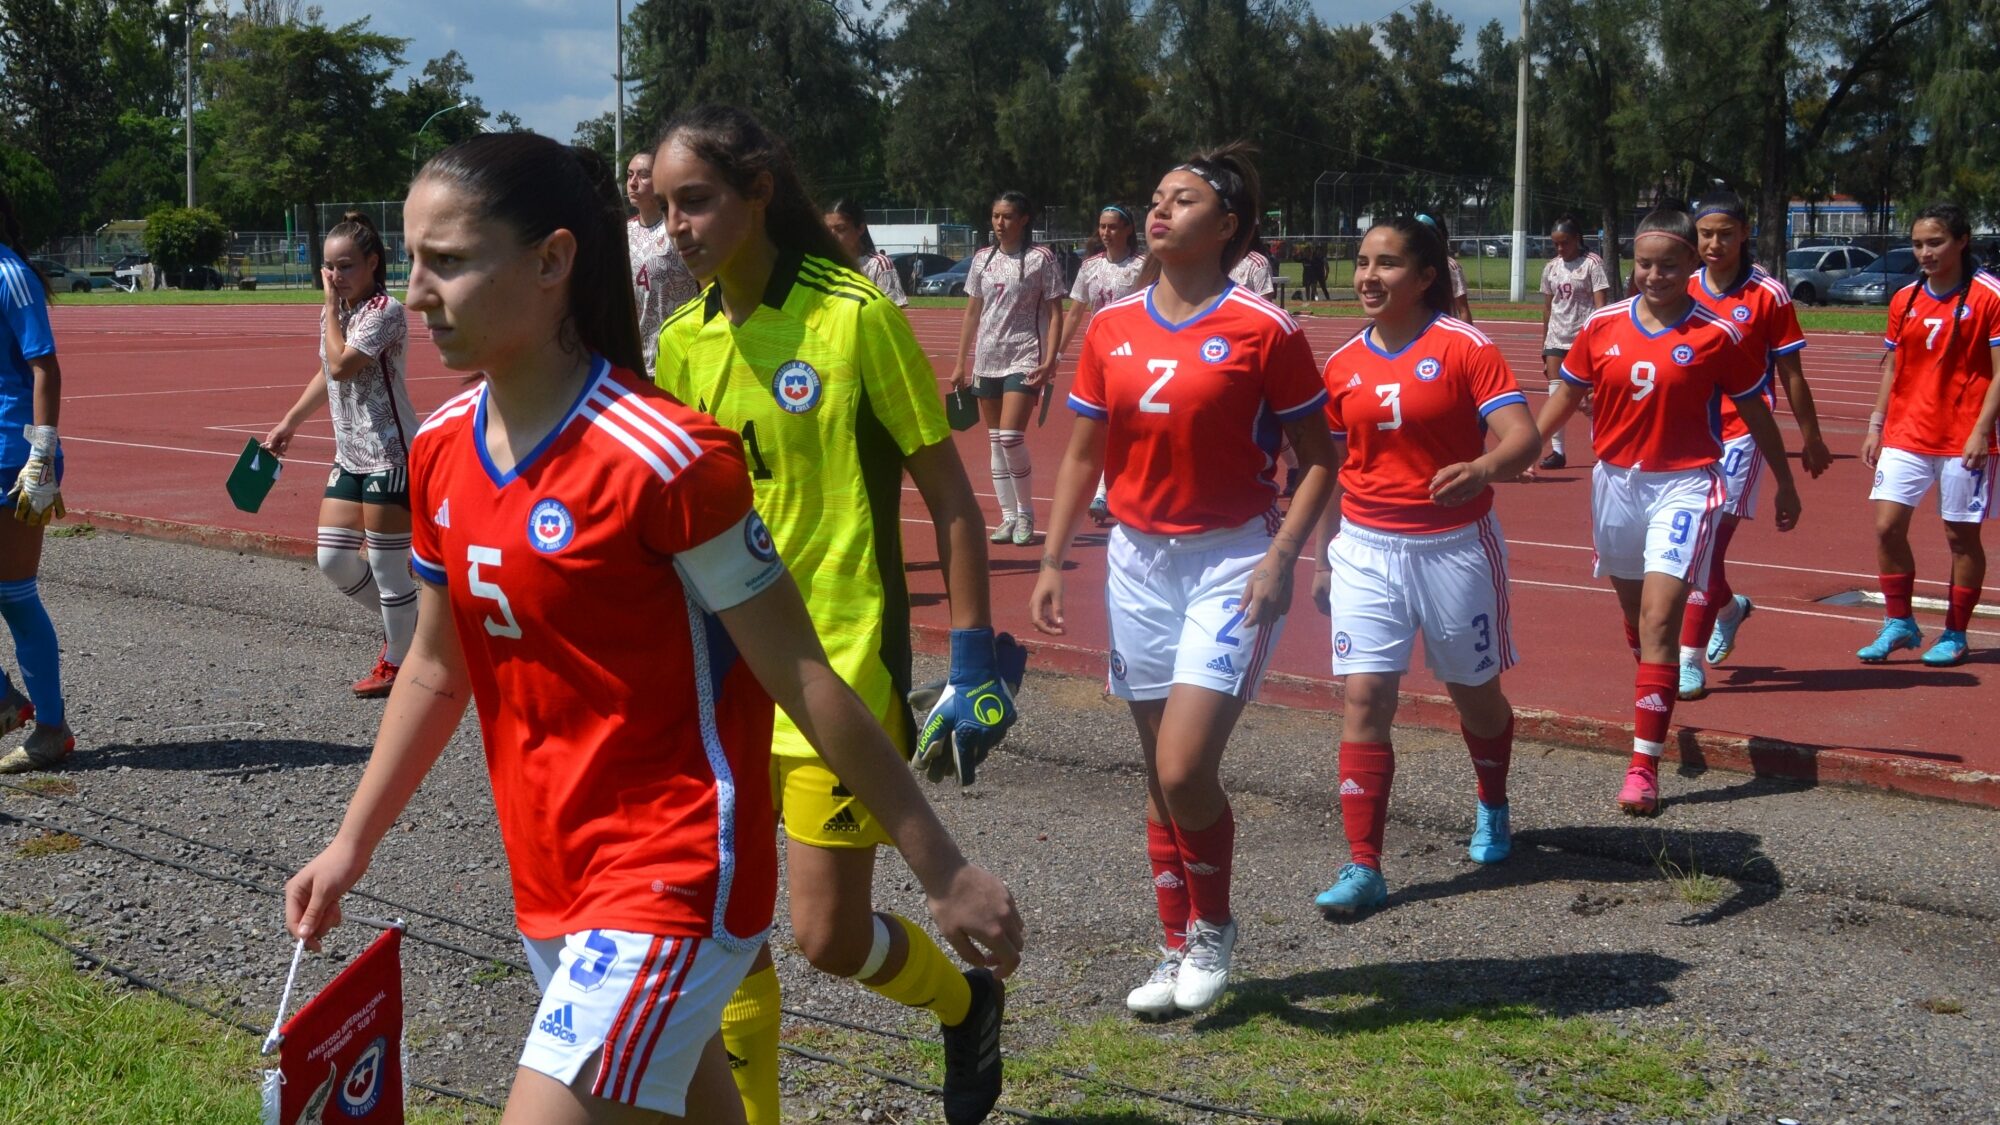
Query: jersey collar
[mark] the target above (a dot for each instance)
(1701, 278)
(1169, 325)
(599, 367)
(1368, 338)
(1936, 296)
(1632, 311)
(784, 275)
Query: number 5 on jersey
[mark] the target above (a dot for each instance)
(476, 557)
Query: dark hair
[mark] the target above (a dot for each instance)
(1131, 225)
(1022, 205)
(1425, 245)
(854, 213)
(10, 237)
(360, 230)
(1566, 223)
(1669, 221)
(1952, 217)
(730, 140)
(1729, 205)
(538, 186)
(1227, 171)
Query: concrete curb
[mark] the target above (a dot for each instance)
(1694, 747)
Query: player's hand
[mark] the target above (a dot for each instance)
(279, 439)
(1323, 591)
(36, 495)
(1043, 374)
(959, 378)
(1871, 449)
(1456, 484)
(1975, 450)
(312, 897)
(970, 713)
(1045, 605)
(326, 286)
(1268, 593)
(1787, 506)
(1584, 404)
(976, 914)
(1815, 457)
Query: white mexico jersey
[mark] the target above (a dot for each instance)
(1101, 281)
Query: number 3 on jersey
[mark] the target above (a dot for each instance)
(476, 557)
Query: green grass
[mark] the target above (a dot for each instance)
(1690, 883)
(75, 1048)
(1352, 1057)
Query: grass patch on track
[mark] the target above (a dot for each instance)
(75, 1047)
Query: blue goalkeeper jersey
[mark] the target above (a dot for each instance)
(24, 335)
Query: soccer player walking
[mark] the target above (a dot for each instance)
(661, 282)
(849, 223)
(1419, 551)
(1573, 285)
(1735, 288)
(597, 582)
(1656, 365)
(1180, 394)
(1933, 426)
(364, 515)
(835, 400)
(1007, 351)
(1104, 277)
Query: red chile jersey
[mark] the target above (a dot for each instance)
(1192, 410)
(629, 748)
(1941, 376)
(1409, 413)
(1659, 394)
(1761, 309)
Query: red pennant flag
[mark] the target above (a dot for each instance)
(342, 1056)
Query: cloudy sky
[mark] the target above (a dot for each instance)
(551, 61)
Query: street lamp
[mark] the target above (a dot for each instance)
(427, 124)
(188, 19)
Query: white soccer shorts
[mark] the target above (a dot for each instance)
(1964, 495)
(1175, 608)
(638, 1009)
(1449, 586)
(1655, 523)
(1742, 468)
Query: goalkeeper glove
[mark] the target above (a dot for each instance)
(970, 710)
(36, 496)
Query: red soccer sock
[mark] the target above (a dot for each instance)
(1490, 759)
(1896, 591)
(1704, 605)
(1632, 638)
(1964, 599)
(1643, 762)
(1206, 855)
(1367, 769)
(1170, 887)
(1653, 694)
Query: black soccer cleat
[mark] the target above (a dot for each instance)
(972, 1053)
(1553, 461)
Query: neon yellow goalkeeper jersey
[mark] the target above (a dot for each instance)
(830, 390)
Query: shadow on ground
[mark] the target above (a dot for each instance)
(229, 757)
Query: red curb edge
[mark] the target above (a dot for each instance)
(1695, 747)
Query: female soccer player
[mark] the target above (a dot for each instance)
(1655, 365)
(1933, 425)
(849, 223)
(1191, 370)
(364, 516)
(1461, 307)
(1105, 277)
(1014, 317)
(1253, 272)
(1732, 286)
(661, 282)
(1573, 284)
(835, 400)
(31, 465)
(597, 581)
(1419, 551)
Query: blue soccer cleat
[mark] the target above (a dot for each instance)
(1492, 836)
(1694, 682)
(1950, 649)
(1897, 633)
(1358, 890)
(1722, 639)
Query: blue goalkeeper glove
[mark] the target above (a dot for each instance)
(970, 710)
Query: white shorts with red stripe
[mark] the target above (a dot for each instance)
(1655, 523)
(1175, 609)
(635, 1009)
(1964, 495)
(1448, 586)
(1742, 468)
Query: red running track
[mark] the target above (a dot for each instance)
(159, 400)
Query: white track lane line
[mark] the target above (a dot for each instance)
(1761, 607)
(180, 449)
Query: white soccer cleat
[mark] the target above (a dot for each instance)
(1204, 973)
(1156, 996)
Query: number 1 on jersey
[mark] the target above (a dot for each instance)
(758, 469)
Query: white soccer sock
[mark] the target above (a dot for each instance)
(1649, 749)
(389, 561)
(341, 560)
(1555, 439)
(1003, 476)
(1689, 655)
(1014, 444)
(1103, 488)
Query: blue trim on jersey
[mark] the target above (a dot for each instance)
(1701, 278)
(1368, 339)
(1087, 410)
(1304, 409)
(1511, 398)
(1788, 349)
(1763, 384)
(1715, 419)
(1926, 283)
(1571, 379)
(598, 366)
(1632, 310)
(25, 336)
(1204, 311)
(427, 570)
(1338, 435)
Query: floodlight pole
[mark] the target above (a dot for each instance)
(618, 115)
(187, 26)
(1517, 280)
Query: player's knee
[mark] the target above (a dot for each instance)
(1184, 778)
(1963, 540)
(832, 945)
(341, 560)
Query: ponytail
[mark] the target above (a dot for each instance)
(1229, 172)
(858, 218)
(358, 228)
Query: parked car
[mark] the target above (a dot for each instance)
(1876, 282)
(198, 277)
(62, 279)
(907, 270)
(1811, 271)
(949, 282)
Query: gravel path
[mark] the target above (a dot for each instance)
(209, 692)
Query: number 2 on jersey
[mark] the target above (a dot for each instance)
(1148, 402)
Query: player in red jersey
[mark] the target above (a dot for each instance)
(1732, 286)
(1411, 399)
(596, 581)
(1934, 425)
(1658, 366)
(1191, 371)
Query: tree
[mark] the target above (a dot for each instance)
(52, 90)
(37, 204)
(598, 133)
(1595, 76)
(445, 82)
(1110, 153)
(179, 237)
(507, 121)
